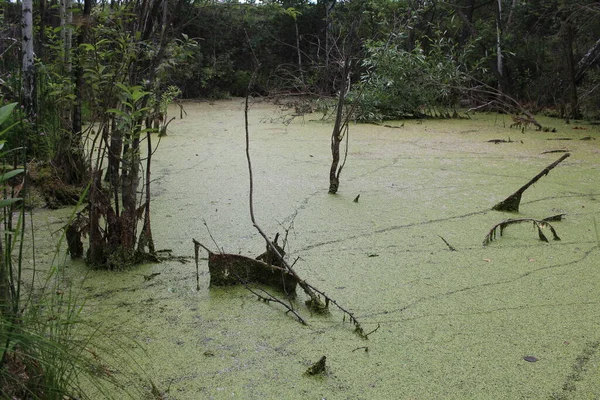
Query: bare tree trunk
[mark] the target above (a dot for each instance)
(573, 97)
(329, 6)
(466, 15)
(79, 81)
(42, 28)
(299, 52)
(28, 71)
(340, 127)
(499, 61)
(146, 239)
(336, 137)
(5, 293)
(66, 35)
(129, 186)
(96, 254)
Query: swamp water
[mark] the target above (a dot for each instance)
(452, 324)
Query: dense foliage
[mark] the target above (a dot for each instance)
(549, 50)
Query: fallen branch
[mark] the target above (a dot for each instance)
(450, 247)
(511, 203)
(270, 298)
(273, 251)
(357, 326)
(498, 229)
(197, 246)
(232, 269)
(555, 151)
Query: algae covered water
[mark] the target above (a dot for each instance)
(518, 318)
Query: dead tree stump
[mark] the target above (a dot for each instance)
(233, 269)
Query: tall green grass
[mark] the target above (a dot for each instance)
(47, 350)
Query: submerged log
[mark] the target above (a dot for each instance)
(234, 269)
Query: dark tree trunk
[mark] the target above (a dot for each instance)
(146, 239)
(340, 126)
(114, 161)
(466, 15)
(129, 186)
(572, 92)
(81, 39)
(96, 252)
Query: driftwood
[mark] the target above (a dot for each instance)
(511, 203)
(498, 229)
(233, 269)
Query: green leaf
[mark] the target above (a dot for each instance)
(7, 202)
(136, 95)
(120, 113)
(122, 87)
(146, 130)
(5, 111)
(88, 47)
(9, 128)
(10, 174)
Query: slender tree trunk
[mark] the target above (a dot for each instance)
(146, 239)
(129, 186)
(66, 20)
(326, 86)
(329, 6)
(5, 293)
(115, 150)
(410, 40)
(82, 38)
(299, 52)
(573, 97)
(466, 14)
(499, 61)
(42, 28)
(96, 252)
(28, 70)
(339, 128)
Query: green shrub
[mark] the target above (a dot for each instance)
(399, 83)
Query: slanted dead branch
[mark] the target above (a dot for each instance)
(498, 229)
(268, 298)
(555, 151)
(511, 203)
(450, 247)
(269, 268)
(274, 253)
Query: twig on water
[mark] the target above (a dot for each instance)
(315, 302)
